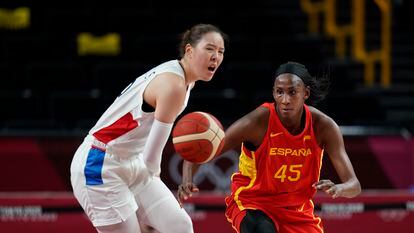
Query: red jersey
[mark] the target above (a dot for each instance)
(280, 173)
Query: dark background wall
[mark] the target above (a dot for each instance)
(44, 82)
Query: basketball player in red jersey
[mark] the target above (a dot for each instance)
(282, 145)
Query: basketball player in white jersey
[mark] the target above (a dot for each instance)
(115, 171)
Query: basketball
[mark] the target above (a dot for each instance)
(198, 137)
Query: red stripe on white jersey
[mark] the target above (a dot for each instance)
(123, 125)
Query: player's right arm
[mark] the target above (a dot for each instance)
(250, 128)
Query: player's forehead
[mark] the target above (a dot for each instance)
(288, 80)
(213, 39)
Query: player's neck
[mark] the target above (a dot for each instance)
(188, 75)
(295, 124)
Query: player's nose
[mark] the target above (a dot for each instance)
(214, 56)
(285, 99)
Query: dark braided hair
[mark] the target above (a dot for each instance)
(319, 86)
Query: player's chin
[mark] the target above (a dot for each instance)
(208, 77)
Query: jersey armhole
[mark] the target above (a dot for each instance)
(146, 107)
(250, 146)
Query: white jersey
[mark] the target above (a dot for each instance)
(124, 127)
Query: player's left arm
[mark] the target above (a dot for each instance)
(166, 93)
(332, 141)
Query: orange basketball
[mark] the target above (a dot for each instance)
(198, 137)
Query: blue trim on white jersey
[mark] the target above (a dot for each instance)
(93, 168)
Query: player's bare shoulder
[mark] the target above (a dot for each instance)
(258, 118)
(323, 124)
(263, 115)
(170, 82)
(319, 118)
(250, 128)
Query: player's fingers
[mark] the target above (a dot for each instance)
(180, 202)
(332, 191)
(182, 194)
(324, 184)
(180, 198)
(318, 183)
(187, 190)
(194, 189)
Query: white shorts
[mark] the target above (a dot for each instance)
(105, 185)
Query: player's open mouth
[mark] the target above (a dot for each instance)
(212, 68)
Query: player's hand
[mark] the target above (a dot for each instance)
(185, 190)
(334, 190)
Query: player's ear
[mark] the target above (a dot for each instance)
(188, 49)
(307, 92)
